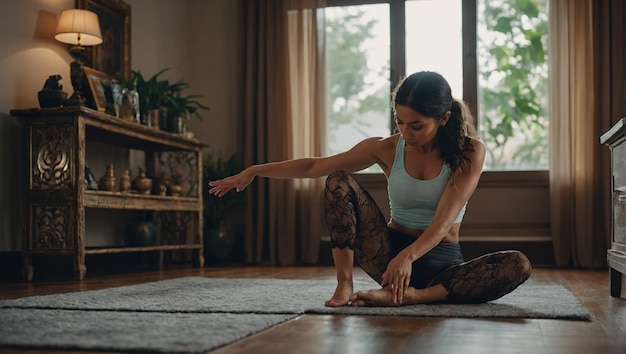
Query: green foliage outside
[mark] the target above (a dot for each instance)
(513, 74)
(349, 94)
(513, 79)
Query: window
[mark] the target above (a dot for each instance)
(357, 75)
(497, 63)
(432, 46)
(513, 81)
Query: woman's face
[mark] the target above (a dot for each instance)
(417, 130)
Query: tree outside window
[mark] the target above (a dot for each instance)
(512, 72)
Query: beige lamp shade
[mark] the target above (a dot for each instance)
(78, 27)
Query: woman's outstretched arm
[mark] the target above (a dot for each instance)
(361, 156)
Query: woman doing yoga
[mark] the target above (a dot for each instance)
(432, 166)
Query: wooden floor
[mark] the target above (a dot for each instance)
(605, 333)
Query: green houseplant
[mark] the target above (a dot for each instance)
(218, 238)
(152, 93)
(180, 107)
(161, 102)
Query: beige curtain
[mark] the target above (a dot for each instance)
(579, 167)
(283, 119)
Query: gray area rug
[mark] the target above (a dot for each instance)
(197, 314)
(292, 296)
(148, 332)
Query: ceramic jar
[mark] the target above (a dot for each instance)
(125, 182)
(107, 182)
(175, 190)
(143, 233)
(142, 184)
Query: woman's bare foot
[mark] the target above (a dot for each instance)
(375, 297)
(342, 294)
(412, 296)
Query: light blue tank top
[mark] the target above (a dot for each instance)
(413, 201)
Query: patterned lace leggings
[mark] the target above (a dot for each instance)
(355, 221)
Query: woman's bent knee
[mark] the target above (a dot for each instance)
(336, 177)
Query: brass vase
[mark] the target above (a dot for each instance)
(142, 184)
(125, 182)
(175, 190)
(107, 182)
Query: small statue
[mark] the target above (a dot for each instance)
(52, 94)
(125, 182)
(129, 105)
(52, 83)
(163, 184)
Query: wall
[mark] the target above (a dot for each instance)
(188, 37)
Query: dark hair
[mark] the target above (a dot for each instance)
(429, 94)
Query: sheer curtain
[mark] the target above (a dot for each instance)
(283, 119)
(579, 167)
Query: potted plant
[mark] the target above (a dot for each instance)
(152, 92)
(180, 107)
(218, 238)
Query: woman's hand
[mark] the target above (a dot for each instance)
(398, 276)
(239, 181)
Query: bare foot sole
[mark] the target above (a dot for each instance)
(342, 294)
(376, 297)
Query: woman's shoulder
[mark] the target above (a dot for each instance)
(378, 142)
(476, 152)
(477, 146)
(381, 150)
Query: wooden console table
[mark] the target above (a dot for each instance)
(615, 139)
(56, 195)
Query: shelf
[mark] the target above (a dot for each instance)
(108, 250)
(56, 142)
(109, 129)
(118, 200)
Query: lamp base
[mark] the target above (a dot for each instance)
(78, 78)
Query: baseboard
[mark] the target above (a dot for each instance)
(60, 267)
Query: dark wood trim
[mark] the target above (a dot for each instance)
(470, 64)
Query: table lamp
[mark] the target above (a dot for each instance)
(79, 28)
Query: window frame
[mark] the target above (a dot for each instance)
(470, 74)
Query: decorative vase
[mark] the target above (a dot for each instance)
(175, 190)
(142, 233)
(142, 184)
(125, 182)
(218, 243)
(51, 98)
(107, 182)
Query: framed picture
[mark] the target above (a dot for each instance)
(99, 83)
(113, 55)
